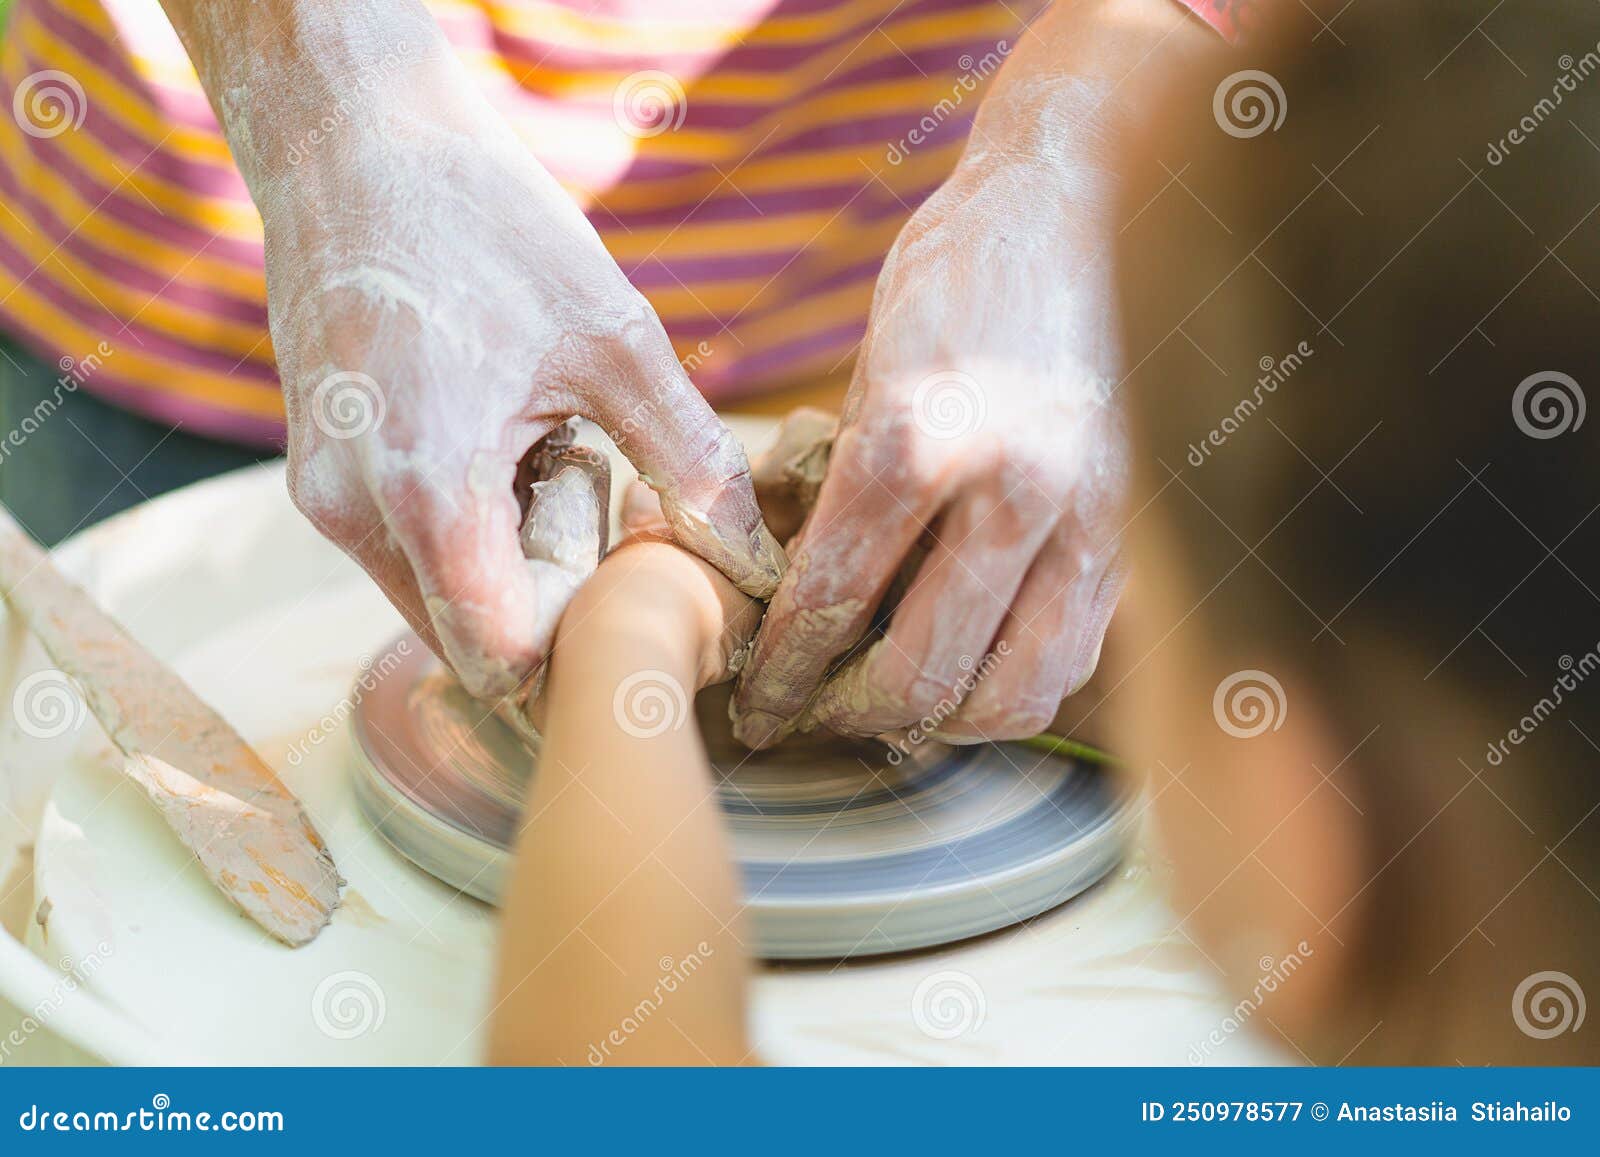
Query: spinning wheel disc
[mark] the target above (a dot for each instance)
(842, 853)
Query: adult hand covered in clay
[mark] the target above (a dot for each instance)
(438, 305)
(978, 436)
(981, 450)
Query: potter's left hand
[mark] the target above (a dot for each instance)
(980, 437)
(982, 455)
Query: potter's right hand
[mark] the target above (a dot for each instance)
(438, 305)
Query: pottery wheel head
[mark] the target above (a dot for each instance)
(845, 847)
(457, 758)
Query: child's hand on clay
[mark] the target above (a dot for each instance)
(650, 589)
(623, 865)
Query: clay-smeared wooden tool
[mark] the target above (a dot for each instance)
(248, 831)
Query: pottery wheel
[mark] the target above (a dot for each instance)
(842, 853)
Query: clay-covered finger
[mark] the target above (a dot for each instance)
(693, 461)
(938, 644)
(355, 525)
(869, 515)
(494, 609)
(390, 569)
(1035, 651)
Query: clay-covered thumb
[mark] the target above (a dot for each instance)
(693, 462)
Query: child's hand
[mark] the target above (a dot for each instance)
(623, 864)
(648, 586)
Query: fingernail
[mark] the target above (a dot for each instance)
(757, 729)
(757, 558)
(769, 564)
(1084, 667)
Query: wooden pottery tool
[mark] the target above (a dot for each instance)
(248, 831)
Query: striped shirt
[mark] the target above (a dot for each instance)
(747, 163)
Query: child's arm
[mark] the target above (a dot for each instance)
(620, 938)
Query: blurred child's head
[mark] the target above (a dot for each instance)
(1361, 296)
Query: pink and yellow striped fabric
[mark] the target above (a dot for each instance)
(1232, 18)
(753, 210)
